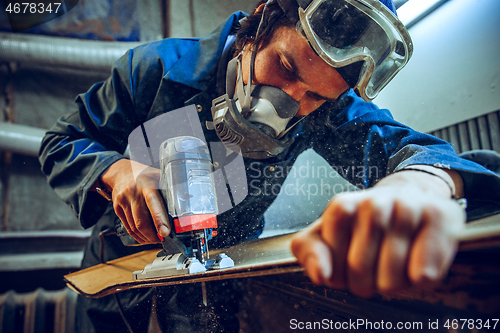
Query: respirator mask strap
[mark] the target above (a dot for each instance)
(231, 76)
(246, 103)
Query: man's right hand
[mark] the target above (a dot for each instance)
(137, 202)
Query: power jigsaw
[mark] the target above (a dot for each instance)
(188, 189)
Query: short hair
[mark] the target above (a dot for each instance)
(274, 19)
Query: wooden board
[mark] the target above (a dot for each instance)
(480, 234)
(253, 258)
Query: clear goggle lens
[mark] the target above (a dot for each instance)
(360, 35)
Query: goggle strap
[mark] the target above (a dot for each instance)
(304, 3)
(291, 8)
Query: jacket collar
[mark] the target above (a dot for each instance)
(198, 65)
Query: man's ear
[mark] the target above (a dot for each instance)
(259, 9)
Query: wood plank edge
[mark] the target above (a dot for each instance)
(167, 281)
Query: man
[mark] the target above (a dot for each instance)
(402, 230)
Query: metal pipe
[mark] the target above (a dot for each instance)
(20, 139)
(62, 52)
(26, 140)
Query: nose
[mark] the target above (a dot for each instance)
(296, 90)
(299, 92)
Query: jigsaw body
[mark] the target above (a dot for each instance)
(188, 189)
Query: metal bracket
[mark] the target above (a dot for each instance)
(180, 264)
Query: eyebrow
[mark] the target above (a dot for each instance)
(291, 61)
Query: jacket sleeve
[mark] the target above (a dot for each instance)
(81, 145)
(365, 144)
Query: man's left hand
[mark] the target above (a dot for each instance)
(401, 232)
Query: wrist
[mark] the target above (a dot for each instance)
(100, 189)
(451, 178)
(433, 180)
(116, 172)
(437, 176)
(447, 183)
(105, 182)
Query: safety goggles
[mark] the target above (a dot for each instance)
(362, 39)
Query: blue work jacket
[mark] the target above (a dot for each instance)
(169, 74)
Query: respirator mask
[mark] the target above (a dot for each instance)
(255, 117)
(252, 119)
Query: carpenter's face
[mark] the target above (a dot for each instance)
(289, 63)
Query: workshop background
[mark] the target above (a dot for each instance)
(450, 88)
